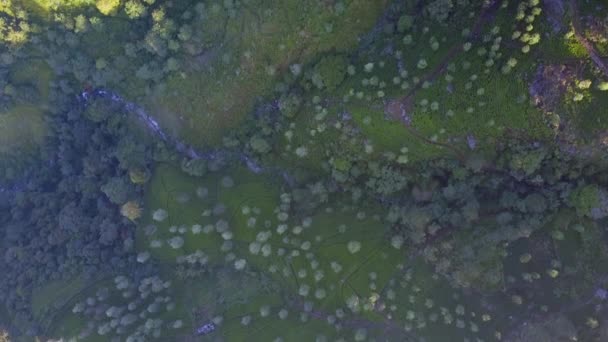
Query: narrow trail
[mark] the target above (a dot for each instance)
(485, 15)
(580, 37)
(399, 109)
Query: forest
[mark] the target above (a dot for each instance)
(303, 170)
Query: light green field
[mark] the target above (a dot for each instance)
(274, 271)
(283, 280)
(54, 294)
(219, 90)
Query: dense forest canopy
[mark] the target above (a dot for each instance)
(303, 170)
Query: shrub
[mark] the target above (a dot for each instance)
(194, 167)
(584, 199)
(107, 7)
(259, 145)
(439, 9)
(405, 23)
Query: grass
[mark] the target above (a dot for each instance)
(590, 116)
(502, 109)
(253, 193)
(326, 244)
(333, 247)
(260, 46)
(486, 116)
(167, 183)
(416, 285)
(404, 285)
(306, 247)
(236, 301)
(390, 136)
(67, 324)
(48, 297)
(59, 320)
(483, 101)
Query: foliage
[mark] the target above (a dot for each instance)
(118, 190)
(139, 175)
(374, 168)
(331, 71)
(585, 198)
(107, 7)
(405, 23)
(527, 162)
(14, 23)
(259, 145)
(131, 210)
(66, 217)
(439, 9)
(194, 167)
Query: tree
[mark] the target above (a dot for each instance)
(259, 145)
(289, 104)
(528, 162)
(108, 7)
(108, 232)
(118, 190)
(584, 199)
(14, 25)
(130, 152)
(535, 203)
(194, 167)
(405, 23)
(155, 44)
(135, 9)
(139, 175)
(72, 219)
(332, 70)
(439, 9)
(131, 210)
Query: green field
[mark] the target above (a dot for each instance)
(427, 170)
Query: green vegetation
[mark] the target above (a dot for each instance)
(218, 89)
(343, 170)
(53, 294)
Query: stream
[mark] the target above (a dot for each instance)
(180, 146)
(186, 150)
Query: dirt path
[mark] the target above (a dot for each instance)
(579, 34)
(485, 15)
(400, 108)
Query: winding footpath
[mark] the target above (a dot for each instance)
(579, 33)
